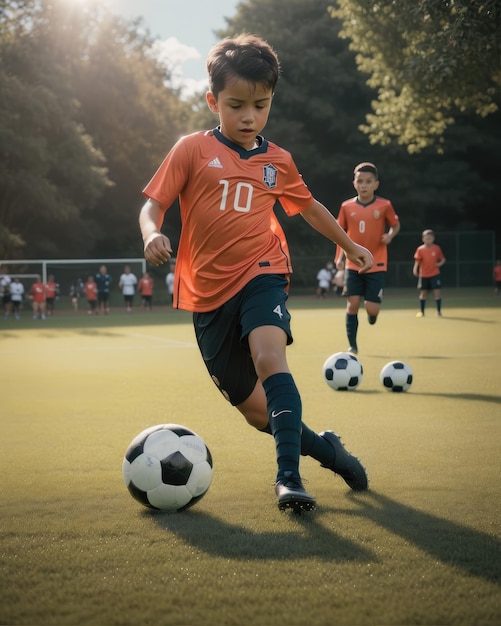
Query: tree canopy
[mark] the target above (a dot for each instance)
(429, 60)
(87, 112)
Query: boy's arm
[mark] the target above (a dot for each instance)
(392, 232)
(157, 248)
(415, 269)
(320, 218)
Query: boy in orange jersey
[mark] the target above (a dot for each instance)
(365, 218)
(233, 263)
(428, 259)
(90, 288)
(38, 298)
(146, 290)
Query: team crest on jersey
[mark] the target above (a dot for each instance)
(270, 176)
(377, 214)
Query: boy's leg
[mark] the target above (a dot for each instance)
(354, 293)
(373, 294)
(422, 303)
(222, 337)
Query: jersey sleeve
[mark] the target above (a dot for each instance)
(170, 178)
(296, 197)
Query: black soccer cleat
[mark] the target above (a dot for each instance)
(345, 464)
(292, 495)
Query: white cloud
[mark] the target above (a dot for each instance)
(174, 55)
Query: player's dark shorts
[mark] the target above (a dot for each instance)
(103, 297)
(427, 284)
(129, 298)
(222, 334)
(369, 286)
(92, 304)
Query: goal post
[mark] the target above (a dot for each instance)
(68, 271)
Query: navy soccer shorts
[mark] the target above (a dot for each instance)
(222, 334)
(429, 283)
(369, 286)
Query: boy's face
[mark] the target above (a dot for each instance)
(243, 110)
(365, 184)
(428, 239)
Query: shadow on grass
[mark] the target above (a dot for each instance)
(474, 397)
(467, 549)
(476, 320)
(220, 538)
(472, 551)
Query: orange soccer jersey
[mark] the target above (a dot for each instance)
(90, 290)
(50, 289)
(366, 225)
(229, 231)
(146, 286)
(38, 292)
(427, 257)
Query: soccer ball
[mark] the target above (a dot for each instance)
(343, 371)
(396, 376)
(167, 467)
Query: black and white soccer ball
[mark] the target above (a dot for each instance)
(167, 467)
(396, 376)
(343, 371)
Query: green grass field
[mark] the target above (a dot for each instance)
(422, 546)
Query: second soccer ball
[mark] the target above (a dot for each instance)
(343, 371)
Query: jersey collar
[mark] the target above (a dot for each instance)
(244, 154)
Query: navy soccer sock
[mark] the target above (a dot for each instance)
(438, 302)
(317, 447)
(312, 445)
(422, 304)
(352, 329)
(284, 414)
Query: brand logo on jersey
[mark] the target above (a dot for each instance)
(270, 176)
(377, 214)
(215, 163)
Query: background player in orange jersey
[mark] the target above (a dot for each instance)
(428, 259)
(146, 290)
(366, 219)
(51, 293)
(233, 263)
(496, 272)
(37, 294)
(90, 287)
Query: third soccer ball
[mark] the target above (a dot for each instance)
(396, 376)
(343, 371)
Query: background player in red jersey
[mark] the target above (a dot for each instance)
(233, 263)
(366, 219)
(428, 259)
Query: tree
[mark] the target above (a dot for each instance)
(86, 114)
(430, 60)
(49, 167)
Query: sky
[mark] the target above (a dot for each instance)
(186, 31)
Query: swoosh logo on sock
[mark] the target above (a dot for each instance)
(276, 414)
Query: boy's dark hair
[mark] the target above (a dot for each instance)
(244, 56)
(366, 167)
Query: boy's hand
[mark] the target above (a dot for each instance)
(157, 249)
(361, 256)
